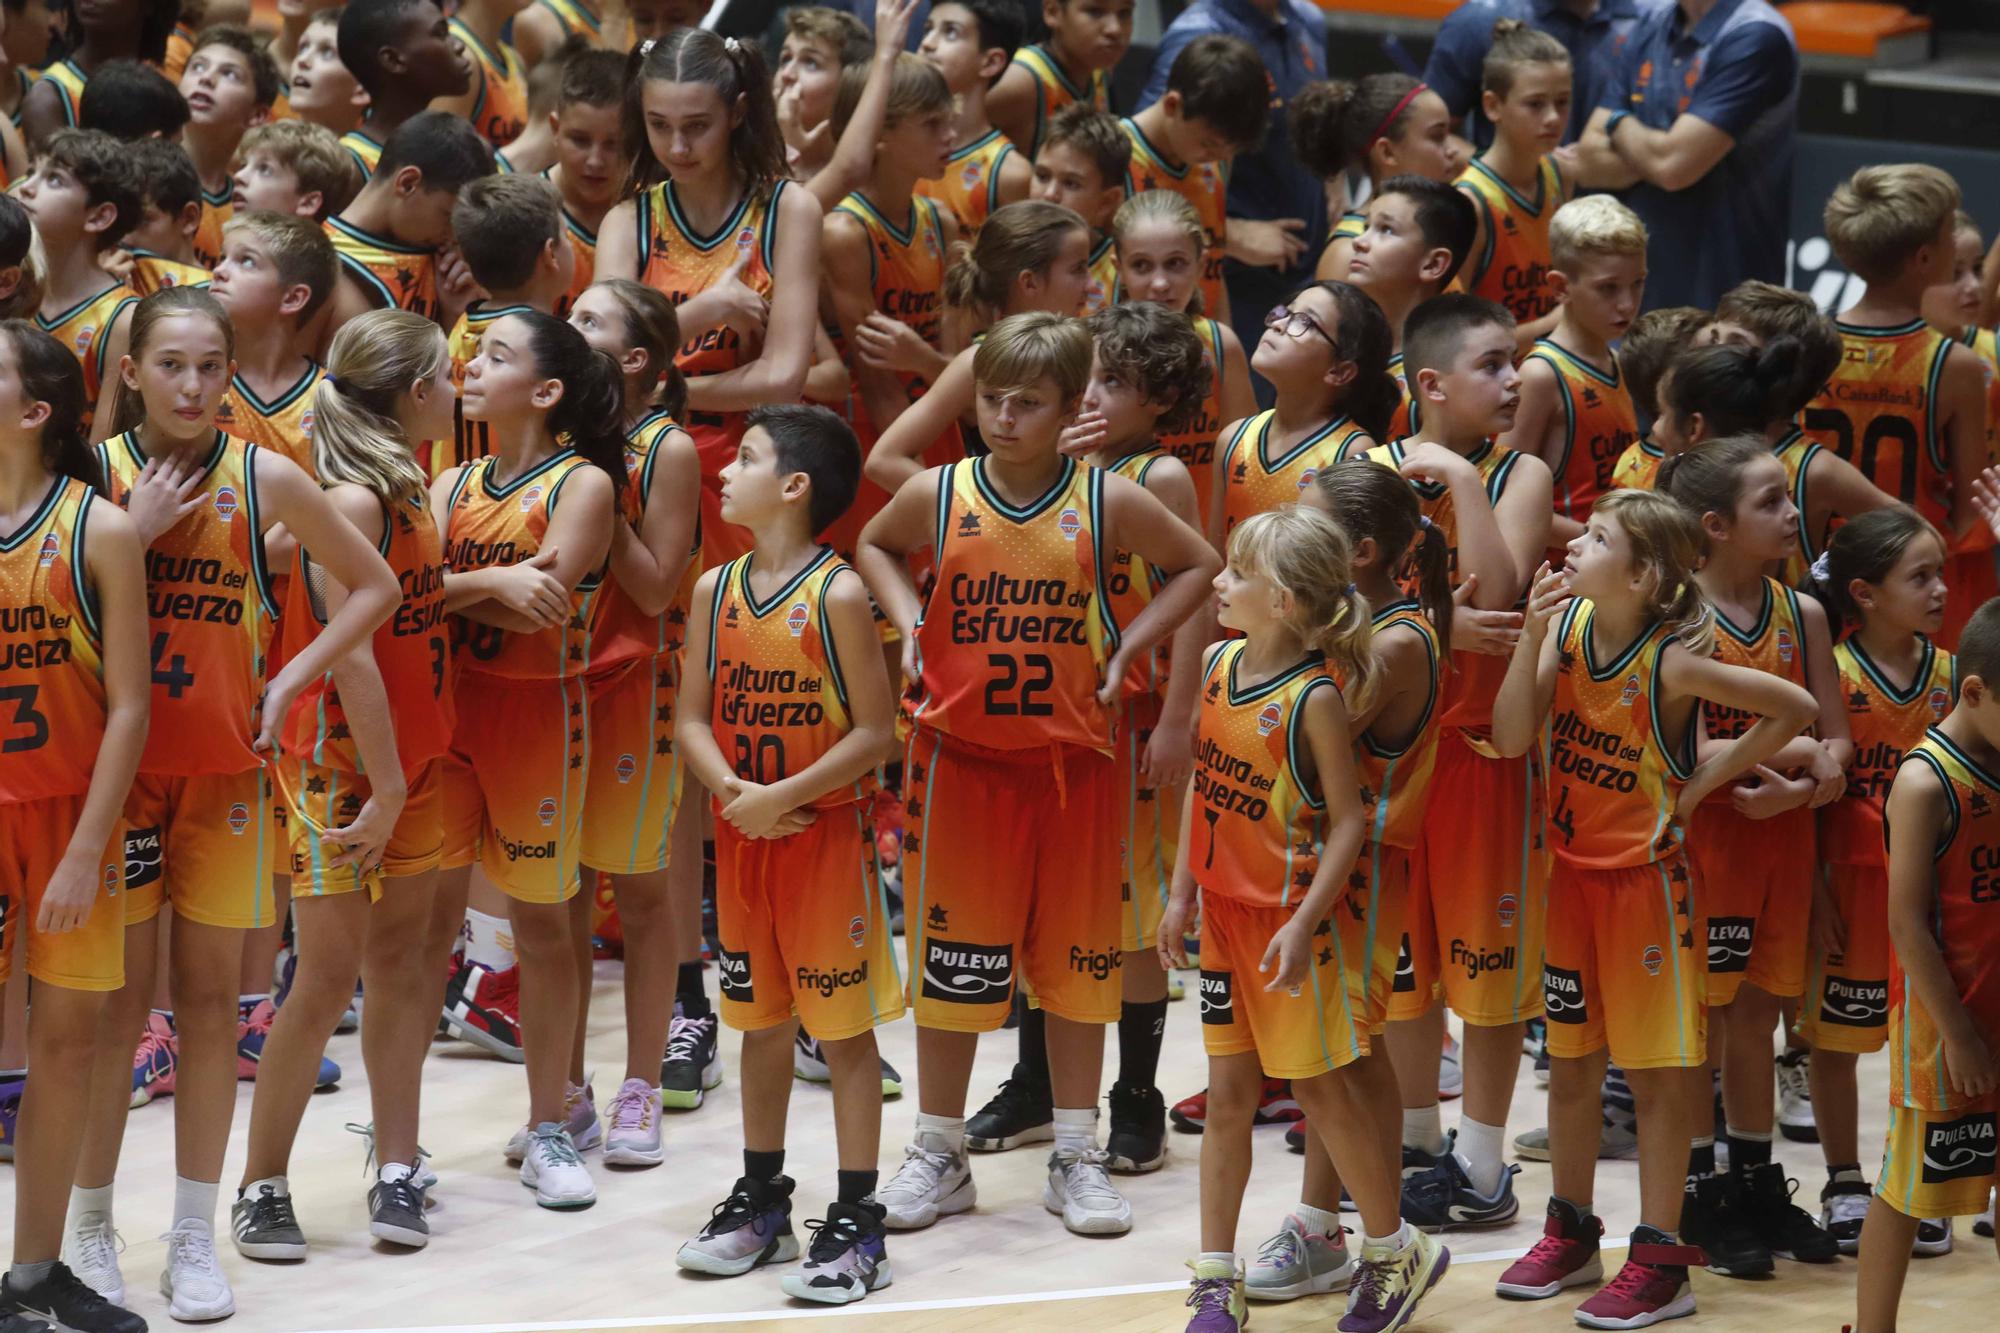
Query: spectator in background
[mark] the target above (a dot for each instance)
(1595, 32)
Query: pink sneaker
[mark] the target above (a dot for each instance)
(1565, 1256)
(155, 1060)
(1650, 1288)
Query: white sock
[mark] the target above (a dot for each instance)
(950, 1130)
(89, 1202)
(1216, 1257)
(1319, 1221)
(194, 1201)
(1424, 1129)
(1479, 1149)
(1076, 1131)
(1395, 1240)
(490, 942)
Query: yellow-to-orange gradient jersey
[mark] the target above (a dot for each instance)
(82, 327)
(1613, 773)
(51, 652)
(1795, 453)
(470, 440)
(970, 186)
(364, 148)
(582, 244)
(1404, 423)
(624, 633)
(1016, 630)
(1348, 226)
(500, 110)
(675, 260)
(411, 649)
(395, 276)
(575, 19)
(68, 78)
(151, 273)
(209, 608)
(1203, 184)
(495, 524)
(1513, 266)
(1256, 822)
(1396, 780)
(1254, 482)
(1056, 90)
(1639, 466)
(1194, 443)
(906, 270)
(1985, 345)
(1963, 922)
(1774, 642)
(1133, 582)
(1886, 722)
(1103, 288)
(216, 210)
(779, 697)
(1599, 424)
(1879, 412)
(284, 425)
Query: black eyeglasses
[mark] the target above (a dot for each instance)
(1296, 323)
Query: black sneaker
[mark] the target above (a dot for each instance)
(1765, 1198)
(1843, 1207)
(693, 1064)
(263, 1225)
(1712, 1222)
(1295, 1139)
(848, 1257)
(1020, 1113)
(1138, 1139)
(64, 1299)
(396, 1211)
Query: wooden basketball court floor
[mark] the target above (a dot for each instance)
(497, 1263)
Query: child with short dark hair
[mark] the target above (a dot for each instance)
(404, 56)
(1643, 353)
(972, 43)
(230, 83)
(128, 30)
(320, 88)
(1086, 39)
(277, 270)
(131, 101)
(496, 97)
(1082, 165)
(162, 244)
(590, 152)
(295, 166)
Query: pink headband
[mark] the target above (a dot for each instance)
(1382, 130)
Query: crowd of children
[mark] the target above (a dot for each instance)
(478, 486)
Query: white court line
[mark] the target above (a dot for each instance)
(863, 1308)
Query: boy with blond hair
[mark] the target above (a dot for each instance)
(295, 166)
(1576, 414)
(1082, 165)
(277, 270)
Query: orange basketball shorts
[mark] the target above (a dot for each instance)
(1624, 965)
(635, 773)
(1151, 823)
(34, 836)
(1378, 899)
(202, 843)
(326, 798)
(1756, 890)
(1295, 1034)
(514, 783)
(1941, 1163)
(1846, 1001)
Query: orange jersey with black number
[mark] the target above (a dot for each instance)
(1016, 630)
(395, 276)
(1965, 893)
(1879, 412)
(1598, 424)
(1133, 582)
(624, 633)
(906, 271)
(216, 210)
(283, 425)
(1614, 773)
(970, 186)
(82, 328)
(209, 609)
(470, 439)
(503, 524)
(500, 107)
(1256, 822)
(1639, 466)
(152, 273)
(1054, 89)
(1513, 266)
(1396, 780)
(1254, 482)
(778, 695)
(67, 78)
(675, 260)
(365, 149)
(1194, 443)
(1203, 184)
(1885, 722)
(1773, 643)
(411, 647)
(51, 651)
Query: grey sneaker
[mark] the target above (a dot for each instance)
(1615, 1143)
(932, 1182)
(752, 1226)
(1079, 1188)
(849, 1256)
(262, 1222)
(1795, 1108)
(1296, 1262)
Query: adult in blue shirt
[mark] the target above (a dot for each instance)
(1701, 124)
(1593, 31)
(1277, 209)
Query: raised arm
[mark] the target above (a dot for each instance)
(778, 375)
(898, 454)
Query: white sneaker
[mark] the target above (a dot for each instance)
(934, 1180)
(1297, 1263)
(90, 1249)
(1080, 1188)
(1933, 1238)
(554, 1171)
(808, 1060)
(192, 1281)
(1795, 1108)
(579, 1118)
(634, 1117)
(1451, 1075)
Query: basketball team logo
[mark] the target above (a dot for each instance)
(1269, 718)
(1506, 909)
(857, 931)
(225, 502)
(110, 878)
(51, 548)
(745, 239)
(1070, 523)
(530, 498)
(1652, 960)
(239, 818)
(1306, 477)
(546, 811)
(795, 619)
(627, 766)
(969, 175)
(1785, 646)
(1939, 701)
(306, 423)
(83, 337)
(1630, 692)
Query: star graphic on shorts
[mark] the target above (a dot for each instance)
(676, 617)
(1325, 957)
(1145, 794)
(1679, 874)
(1681, 907)
(910, 846)
(663, 746)
(1687, 939)
(916, 773)
(576, 761)
(576, 736)
(576, 652)
(1303, 847)
(914, 810)
(664, 713)
(316, 786)
(1325, 927)
(937, 919)
(576, 709)
(1303, 879)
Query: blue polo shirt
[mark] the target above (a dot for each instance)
(1459, 56)
(1737, 69)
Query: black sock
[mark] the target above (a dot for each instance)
(763, 1166)
(1701, 1161)
(1034, 1040)
(856, 1186)
(688, 993)
(1141, 1029)
(1744, 1154)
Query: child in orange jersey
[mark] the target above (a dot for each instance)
(1576, 415)
(1086, 39)
(1275, 821)
(1024, 541)
(1907, 405)
(203, 503)
(1081, 165)
(367, 816)
(590, 148)
(322, 91)
(1029, 257)
(405, 57)
(1751, 850)
(1385, 124)
(1160, 240)
(527, 529)
(533, 150)
(1650, 342)
(732, 243)
(636, 828)
(1883, 577)
(75, 654)
(277, 271)
(84, 197)
(843, 150)
(1615, 695)
(162, 245)
(1525, 92)
(295, 166)
(972, 42)
(230, 83)
(819, 44)
(125, 30)
(1954, 308)
(496, 100)
(797, 893)
(543, 29)
(1944, 1017)
(1476, 907)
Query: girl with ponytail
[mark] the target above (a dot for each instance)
(553, 407)
(1615, 696)
(1386, 124)
(386, 390)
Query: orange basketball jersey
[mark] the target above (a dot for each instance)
(1016, 630)
(1103, 288)
(51, 652)
(364, 148)
(216, 210)
(1774, 643)
(81, 328)
(283, 425)
(500, 110)
(1253, 482)
(209, 608)
(1396, 780)
(906, 268)
(1513, 266)
(1056, 90)
(1639, 466)
(1204, 184)
(582, 244)
(1404, 423)
(1885, 722)
(624, 633)
(1599, 424)
(67, 78)
(151, 273)
(1796, 454)
(395, 276)
(1879, 412)
(674, 259)
(970, 186)
(1985, 345)
(1255, 821)
(1133, 582)
(1194, 443)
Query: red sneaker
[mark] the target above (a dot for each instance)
(1652, 1287)
(1276, 1106)
(1565, 1256)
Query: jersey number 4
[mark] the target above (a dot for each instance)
(171, 672)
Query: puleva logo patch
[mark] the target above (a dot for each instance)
(1729, 941)
(142, 857)
(1562, 995)
(1218, 998)
(967, 973)
(1962, 1149)
(734, 970)
(1855, 1004)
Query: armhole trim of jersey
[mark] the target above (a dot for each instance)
(834, 674)
(1933, 439)
(1295, 730)
(1094, 496)
(1679, 756)
(79, 577)
(1950, 830)
(259, 569)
